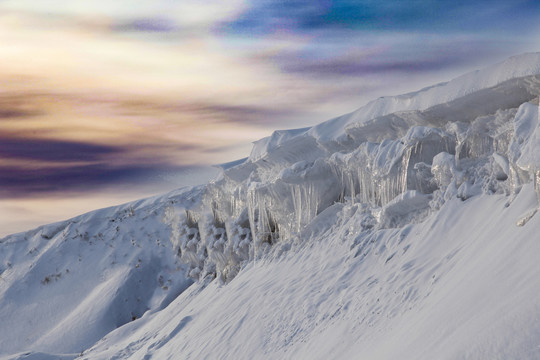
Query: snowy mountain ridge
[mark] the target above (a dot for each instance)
(369, 222)
(513, 68)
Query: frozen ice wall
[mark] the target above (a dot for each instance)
(398, 166)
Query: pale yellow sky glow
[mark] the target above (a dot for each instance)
(100, 88)
(177, 103)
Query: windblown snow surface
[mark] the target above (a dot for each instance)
(407, 229)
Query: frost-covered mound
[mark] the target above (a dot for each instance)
(405, 229)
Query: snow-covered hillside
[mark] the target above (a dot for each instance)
(406, 229)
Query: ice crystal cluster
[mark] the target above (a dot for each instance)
(399, 157)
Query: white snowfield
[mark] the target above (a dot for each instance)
(407, 229)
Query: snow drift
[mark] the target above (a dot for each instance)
(404, 229)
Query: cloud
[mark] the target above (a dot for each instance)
(345, 66)
(81, 142)
(152, 25)
(53, 150)
(17, 182)
(16, 105)
(391, 55)
(14, 113)
(267, 16)
(186, 13)
(39, 166)
(212, 111)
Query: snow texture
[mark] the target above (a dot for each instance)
(406, 229)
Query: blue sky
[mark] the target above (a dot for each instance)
(107, 101)
(262, 17)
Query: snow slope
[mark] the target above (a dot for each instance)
(406, 229)
(463, 284)
(65, 285)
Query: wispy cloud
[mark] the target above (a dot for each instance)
(18, 182)
(213, 110)
(186, 13)
(52, 150)
(264, 16)
(80, 141)
(158, 25)
(391, 54)
(346, 38)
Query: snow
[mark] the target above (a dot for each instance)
(527, 139)
(407, 229)
(66, 285)
(459, 285)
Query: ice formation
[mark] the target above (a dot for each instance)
(400, 157)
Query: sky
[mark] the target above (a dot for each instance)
(103, 102)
